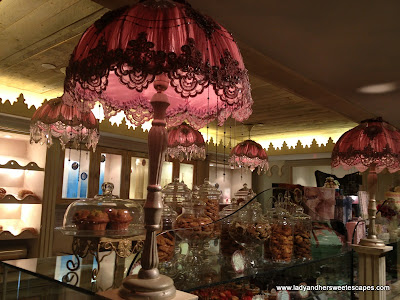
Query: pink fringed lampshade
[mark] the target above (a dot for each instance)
(372, 145)
(54, 119)
(120, 55)
(184, 142)
(249, 155)
(372, 142)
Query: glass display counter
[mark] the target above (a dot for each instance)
(54, 277)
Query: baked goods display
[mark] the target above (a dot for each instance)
(80, 218)
(281, 243)
(192, 223)
(302, 242)
(166, 240)
(105, 214)
(96, 220)
(166, 246)
(119, 219)
(195, 227)
(281, 240)
(210, 195)
(249, 233)
(302, 235)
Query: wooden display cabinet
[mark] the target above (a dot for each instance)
(22, 177)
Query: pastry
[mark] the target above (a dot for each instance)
(119, 219)
(97, 220)
(166, 246)
(80, 219)
(30, 229)
(3, 193)
(23, 193)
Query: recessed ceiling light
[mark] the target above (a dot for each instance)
(7, 136)
(62, 70)
(379, 88)
(48, 66)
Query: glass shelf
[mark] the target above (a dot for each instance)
(335, 268)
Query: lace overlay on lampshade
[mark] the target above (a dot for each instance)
(372, 142)
(54, 119)
(118, 58)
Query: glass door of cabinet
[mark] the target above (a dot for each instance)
(110, 171)
(139, 178)
(166, 175)
(76, 174)
(186, 172)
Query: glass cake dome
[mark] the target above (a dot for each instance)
(104, 215)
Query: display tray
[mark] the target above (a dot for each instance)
(130, 232)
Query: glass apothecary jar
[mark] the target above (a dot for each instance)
(166, 240)
(302, 235)
(175, 193)
(227, 244)
(250, 229)
(244, 194)
(192, 226)
(191, 222)
(105, 215)
(281, 240)
(211, 196)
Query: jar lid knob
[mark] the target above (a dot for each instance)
(107, 188)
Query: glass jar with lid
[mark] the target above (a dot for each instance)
(211, 196)
(193, 225)
(166, 240)
(105, 215)
(244, 194)
(281, 240)
(302, 234)
(228, 245)
(175, 193)
(250, 229)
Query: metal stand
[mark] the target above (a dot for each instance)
(83, 246)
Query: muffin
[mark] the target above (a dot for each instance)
(23, 193)
(80, 219)
(97, 220)
(3, 193)
(119, 219)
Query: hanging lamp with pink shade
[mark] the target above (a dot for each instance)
(373, 145)
(165, 61)
(185, 143)
(249, 155)
(55, 119)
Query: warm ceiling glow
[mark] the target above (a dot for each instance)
(146, 126)
(31, 99)
(379, 88)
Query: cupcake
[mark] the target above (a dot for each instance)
(97, 220)
(80, 219)
(119, 219)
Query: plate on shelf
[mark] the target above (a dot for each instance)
(131, 232)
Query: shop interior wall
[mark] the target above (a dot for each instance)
(231, 182)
